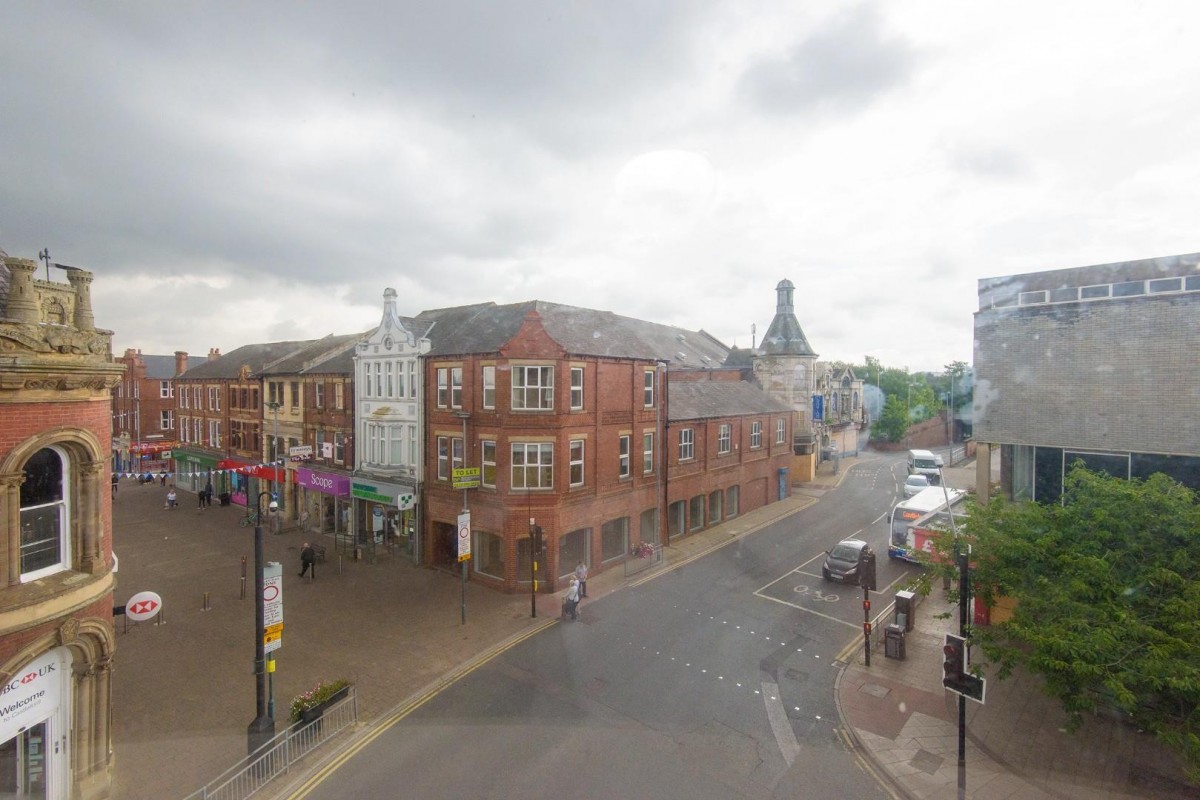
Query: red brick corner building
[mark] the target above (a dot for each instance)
(56, 598)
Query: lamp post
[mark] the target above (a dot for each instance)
(274, 406)
(262, 728)
(463, 415)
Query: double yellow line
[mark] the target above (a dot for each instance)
(409, 707)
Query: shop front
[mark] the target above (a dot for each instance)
(385, 518)
(324, 501)
(257, 478)
(34, 721)
(194, 470)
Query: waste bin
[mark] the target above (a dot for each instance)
(906, 607)
(893, 642)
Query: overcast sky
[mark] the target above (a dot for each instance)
(245, 172)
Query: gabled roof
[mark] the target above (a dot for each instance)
(487, 327)
(254, 356)
(160, 368)
(315, 357)
(709, 399)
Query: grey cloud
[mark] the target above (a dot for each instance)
(841, 67)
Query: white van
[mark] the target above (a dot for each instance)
(923, 462)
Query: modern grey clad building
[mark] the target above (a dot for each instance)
(1094, 363)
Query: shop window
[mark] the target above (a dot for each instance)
(614, 539)
(696, 513)
(489, 554)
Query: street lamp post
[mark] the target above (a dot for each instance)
(463, 415)
(274, 406)
(262, 728)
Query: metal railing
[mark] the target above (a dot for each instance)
(279, 755)
(634, 564)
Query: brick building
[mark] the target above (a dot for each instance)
(563, 412)
(309, 420)
(220, 407)
(1094, 363)
(144, 410)
(56, 601)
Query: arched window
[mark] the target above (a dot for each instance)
(45, 516)
(856, 401)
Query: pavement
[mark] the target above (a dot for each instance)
(184, 692)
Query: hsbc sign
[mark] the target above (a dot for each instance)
(143, 605)
(33, 694)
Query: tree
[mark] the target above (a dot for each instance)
(1107, 593)
(893, 422)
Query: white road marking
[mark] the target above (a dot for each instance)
(785, 737)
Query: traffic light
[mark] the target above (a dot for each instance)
(866, 568)
(955, 676)
(954, 666)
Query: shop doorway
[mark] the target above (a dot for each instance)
(23, 763)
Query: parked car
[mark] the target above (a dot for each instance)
(841, 564)
(914, 484)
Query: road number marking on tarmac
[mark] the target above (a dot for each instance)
(816, 594)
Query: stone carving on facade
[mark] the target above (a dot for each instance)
(68, 632)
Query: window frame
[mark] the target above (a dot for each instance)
(576, 453)
(542, 467)
(648, 382)
(724, 439)
(576, 388)
(542, 390)
(781, 431)
(487, 459)
(62, 515)
(687, 444)
(756, 434)
(648, 453)
(443, 387)
(489, 387)
(624, 447)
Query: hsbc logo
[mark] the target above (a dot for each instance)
(27, 678)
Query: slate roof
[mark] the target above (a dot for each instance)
(487, 327)
(785, 337)
(708, 399)
(255, 356)
(316, 356)
(159, 368)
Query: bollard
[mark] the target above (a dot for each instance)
(206, 607)
(243, 577)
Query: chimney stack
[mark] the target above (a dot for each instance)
(180, 362)
(214, 353)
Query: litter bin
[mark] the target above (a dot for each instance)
(893, 642)
(906, 607)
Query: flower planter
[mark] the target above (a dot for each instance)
(317, 710)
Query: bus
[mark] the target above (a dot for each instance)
(914, 520)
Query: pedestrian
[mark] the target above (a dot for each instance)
(114, 483)
(171, 498)
(581, 575)
(199, 501)
(573, 598)
(308, 560)
(208, 495)
(162, 478)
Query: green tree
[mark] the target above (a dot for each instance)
(893, 422)
(1107, 593)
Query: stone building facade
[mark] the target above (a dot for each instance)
(56, 602)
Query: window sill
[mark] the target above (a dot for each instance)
(49, 597)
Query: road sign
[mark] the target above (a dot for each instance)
(464, 536)
(143, 605)
(465, 478)
(272, 593)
